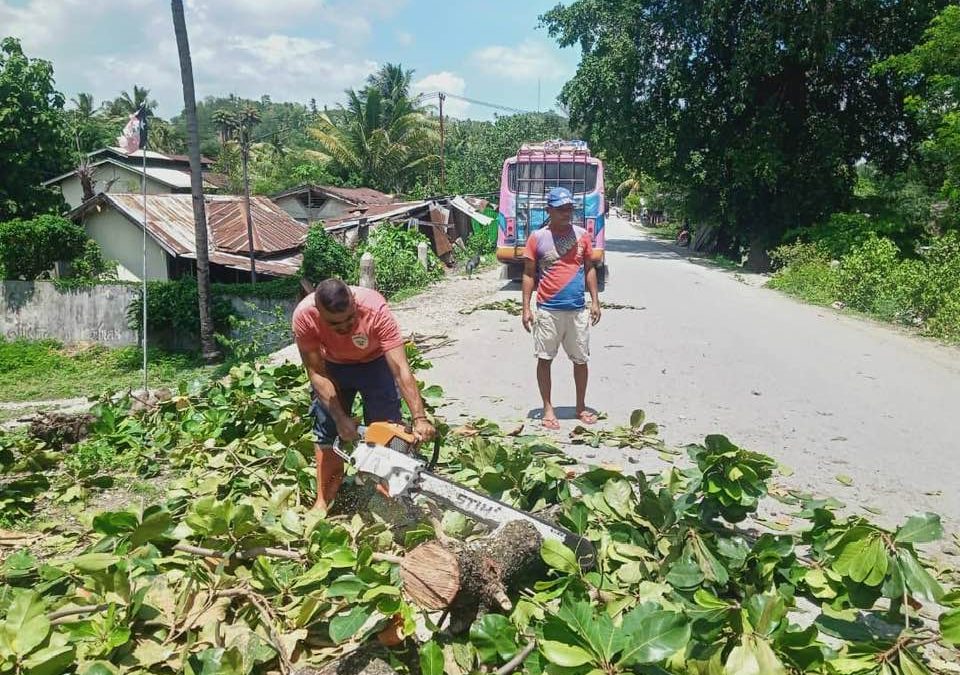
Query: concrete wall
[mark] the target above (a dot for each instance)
(109, 178)
(122, 241)
(35, 310)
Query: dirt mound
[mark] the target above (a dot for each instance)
(61, 430)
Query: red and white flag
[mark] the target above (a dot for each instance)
(134, 136)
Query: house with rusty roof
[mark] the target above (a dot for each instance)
(116, 222)
(311, 203)
(112, 170)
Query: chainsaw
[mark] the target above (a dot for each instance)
(388, 451)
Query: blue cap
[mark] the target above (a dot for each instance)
(559, 196)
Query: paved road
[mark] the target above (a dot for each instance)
(824, 393)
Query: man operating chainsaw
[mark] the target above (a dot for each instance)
(350, 343)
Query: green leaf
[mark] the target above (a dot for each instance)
(345, 626)
(559, 557)
(348, 586)
(919, 529)
(653, 636)
(617, 494)
(637, 418)
(155, 523)
(94, 562)
(753, 657)
(101, 668)
(844, 479)
(26, 625)
(494, 637)
(918, 580)
(50, 660)
(950, 626)
(113, 523)
(564, 655)
(431, 659)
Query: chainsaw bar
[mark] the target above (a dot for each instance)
(404, 474)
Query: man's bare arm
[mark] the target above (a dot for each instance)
(327, 393)
(529, 273)
(400, 367)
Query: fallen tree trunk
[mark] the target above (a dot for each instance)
(469, 579)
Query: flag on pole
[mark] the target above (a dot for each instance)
(134, 135)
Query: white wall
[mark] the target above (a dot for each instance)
(109, 178)
(122, 241)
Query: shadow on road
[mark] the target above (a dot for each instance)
(564, 412)
(640, 248)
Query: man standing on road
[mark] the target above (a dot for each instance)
(559, 263)
(350, 343)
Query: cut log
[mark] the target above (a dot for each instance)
(472, 578)
(61, 430)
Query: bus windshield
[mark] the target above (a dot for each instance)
(538, 178)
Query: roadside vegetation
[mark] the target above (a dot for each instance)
(227, 571)
(32, 370)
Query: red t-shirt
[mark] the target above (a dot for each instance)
(376, 331)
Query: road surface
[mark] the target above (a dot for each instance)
(711, 352)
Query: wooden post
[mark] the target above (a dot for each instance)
(368, 276)
(422, 249)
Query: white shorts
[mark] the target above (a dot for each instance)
(570, 328)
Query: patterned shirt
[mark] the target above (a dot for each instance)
(560, 266)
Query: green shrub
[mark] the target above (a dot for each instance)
(29, 248)
(174, 305)
(91, 266)
(946, 322)
(866, 276)
(804, 270)
(394, 251)
(633, 202)
(325, 257)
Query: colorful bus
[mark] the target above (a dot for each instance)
(528, 177)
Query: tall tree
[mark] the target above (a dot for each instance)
(34, 141)
(387, 155)
(207, 343)
(759, 110)
(129, 102)
(393, 83)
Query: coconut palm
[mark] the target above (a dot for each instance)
(128, 103)
(207, 344)
(393, 83)
(385, 152)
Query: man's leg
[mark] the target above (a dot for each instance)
(546, 342)
(330, 466)
(576, 343)
(544, 382)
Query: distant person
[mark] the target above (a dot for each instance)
(350, 343)
(558, 262)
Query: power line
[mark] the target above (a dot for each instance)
(497, 106)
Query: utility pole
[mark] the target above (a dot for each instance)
(246, 120)
(443, 176)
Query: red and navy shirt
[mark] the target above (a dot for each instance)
(560, 262)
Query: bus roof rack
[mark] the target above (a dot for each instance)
(557, 145)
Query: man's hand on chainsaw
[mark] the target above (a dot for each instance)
(423, 430)
(347, 429)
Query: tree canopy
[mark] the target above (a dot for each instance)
(759, 111)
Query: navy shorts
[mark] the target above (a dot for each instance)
(377, 388)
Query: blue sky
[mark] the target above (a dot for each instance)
(489, 50)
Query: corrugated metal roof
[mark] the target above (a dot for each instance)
(279, 267)
(175, 178)
(170, 222)
(356, 196)
(377, 213)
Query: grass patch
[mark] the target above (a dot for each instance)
(45, 369)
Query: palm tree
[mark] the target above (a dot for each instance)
(393, 83)
(83, 106)
(128, 103)
(225, 123)
(386, 153)
(207, 344)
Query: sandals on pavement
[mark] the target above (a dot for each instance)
(587, 417)
(552, 424)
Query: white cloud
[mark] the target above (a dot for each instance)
(246, 47)
(525, 62)
(446, 82)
